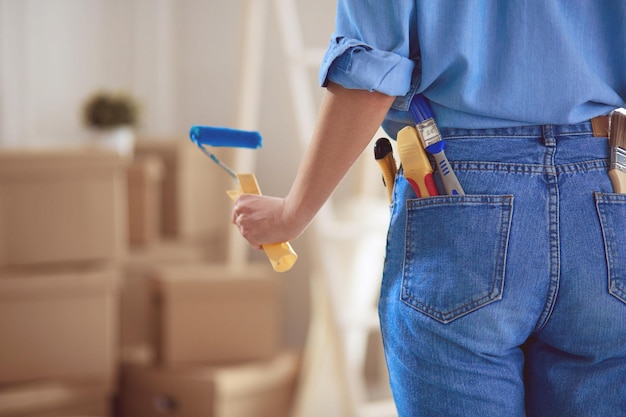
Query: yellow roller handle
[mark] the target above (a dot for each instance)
(281, 255)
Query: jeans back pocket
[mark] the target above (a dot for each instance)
(455, 253)
(612, 211)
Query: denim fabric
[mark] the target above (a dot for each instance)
(511, 299)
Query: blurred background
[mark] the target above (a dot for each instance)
(123, 290)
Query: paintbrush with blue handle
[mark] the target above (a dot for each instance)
(433, 143)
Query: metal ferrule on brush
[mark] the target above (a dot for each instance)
(618, 158)
(428, 132)
(424, 121)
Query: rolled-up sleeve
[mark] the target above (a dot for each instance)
(371, 48)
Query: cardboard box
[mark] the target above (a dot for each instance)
(255, 389)
(59, 324)
(209, 313)
(144, 200)
(138, 312)
(61, 206)
(55, 399)
(193, 195)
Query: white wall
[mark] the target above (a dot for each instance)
(181, 58)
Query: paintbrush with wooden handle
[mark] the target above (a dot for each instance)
(617, 140)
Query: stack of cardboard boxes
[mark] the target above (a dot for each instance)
(114, 296)
(219, 346)
(199, 338)
(62, 233)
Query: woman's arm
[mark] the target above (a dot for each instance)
(347, 122)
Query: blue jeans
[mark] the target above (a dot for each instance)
(511, 299)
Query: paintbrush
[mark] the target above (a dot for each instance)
(617, 140)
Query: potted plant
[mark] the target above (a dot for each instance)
(113, 117)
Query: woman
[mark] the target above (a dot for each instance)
(510, 299)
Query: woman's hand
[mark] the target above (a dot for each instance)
(263, 219)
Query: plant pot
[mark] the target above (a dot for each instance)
(120, 139)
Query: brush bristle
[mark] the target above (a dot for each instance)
(617, 128)
(223, 136)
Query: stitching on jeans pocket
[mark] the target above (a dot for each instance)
(455, 255)
(612, 212)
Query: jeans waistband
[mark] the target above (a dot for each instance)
(597, 127)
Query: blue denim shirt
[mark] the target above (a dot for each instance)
(484, 63)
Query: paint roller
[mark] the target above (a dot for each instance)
(281, 255)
